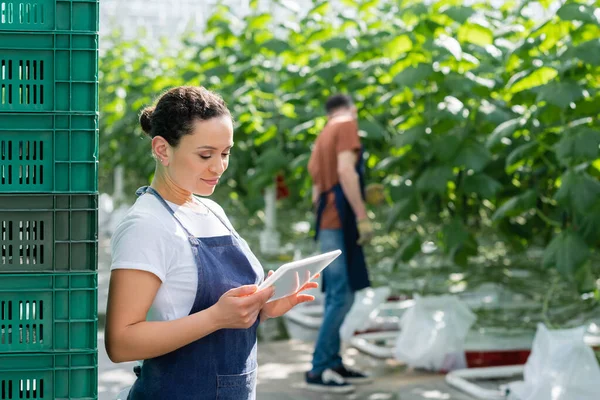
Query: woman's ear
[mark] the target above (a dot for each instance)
(160, 149)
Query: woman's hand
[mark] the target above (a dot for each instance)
(239, 308)
(279, 307)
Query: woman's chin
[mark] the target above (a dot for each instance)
(204, 190)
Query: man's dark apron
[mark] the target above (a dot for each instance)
(358, 275)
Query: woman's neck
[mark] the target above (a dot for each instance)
(169, 190)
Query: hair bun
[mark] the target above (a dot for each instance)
(146, 119)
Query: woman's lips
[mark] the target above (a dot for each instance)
(211, 182)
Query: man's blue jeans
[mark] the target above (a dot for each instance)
(338, 301)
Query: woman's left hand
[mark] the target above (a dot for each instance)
(279, 307)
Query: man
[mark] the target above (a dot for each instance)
(342, 223)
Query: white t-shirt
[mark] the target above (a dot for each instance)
(150, 239)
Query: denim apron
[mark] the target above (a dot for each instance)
(223, 364)
(358, 275)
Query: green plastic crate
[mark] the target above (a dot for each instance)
(48, 72)
(72, 376)
(48, 153)
(48, 233)
(49, 15)
(48, 313)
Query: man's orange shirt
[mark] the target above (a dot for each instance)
(340, 134)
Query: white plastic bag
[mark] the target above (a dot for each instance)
(433, 333)
(561, 367)
(365, 304)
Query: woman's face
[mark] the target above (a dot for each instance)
(200, 159)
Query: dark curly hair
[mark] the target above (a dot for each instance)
(177, 109)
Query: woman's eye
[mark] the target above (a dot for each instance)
(204, 157)
(226, 154)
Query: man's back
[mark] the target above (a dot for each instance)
(340, 134)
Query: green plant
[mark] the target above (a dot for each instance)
(482, 123)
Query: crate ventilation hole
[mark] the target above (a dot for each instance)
(27, 150)
(28, 70)
(28, 389)
(28, 333)
(24, 13)
(29, 254)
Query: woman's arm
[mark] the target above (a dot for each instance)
(130, 337)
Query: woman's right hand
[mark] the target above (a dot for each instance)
(239, 308)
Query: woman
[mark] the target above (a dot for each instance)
(183, 290)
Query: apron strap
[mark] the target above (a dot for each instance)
(230, 229)
(147, 189)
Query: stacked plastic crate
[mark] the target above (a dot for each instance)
(48, 199)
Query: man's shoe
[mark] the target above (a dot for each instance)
(352, 376)
(328, 381)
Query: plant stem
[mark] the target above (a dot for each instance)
(546, 219)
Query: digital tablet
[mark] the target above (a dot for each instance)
(290, 277)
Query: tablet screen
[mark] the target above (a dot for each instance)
(290, 277)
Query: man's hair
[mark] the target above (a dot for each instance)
(338, 101)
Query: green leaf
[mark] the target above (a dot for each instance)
(300, 162)
(540, 76)
(566, 252)
(321, 8)
(398, 46)
(413, 75)
(503, 130)
(561, 94)
(588, 224)
(410, 136)
(585, 279)
(588, 52)
(259, 21)
(460, 255)
(580, 144)
(446, 146)
(522, 152)
(579, 12)
(409, 248)
(373, 129)
(402, 191)
(402, 210)
(276, 45)
(337, 43)
(578, 190)
(435, 179)
(459, 13)
(329, 72)
(388, 164)
(472, 156)
(475, 34)
(454, 234)
(483, 185)
(516, 205)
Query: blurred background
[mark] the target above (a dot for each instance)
(480, 119)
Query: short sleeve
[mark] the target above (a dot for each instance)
(347, 137)
(141, 242)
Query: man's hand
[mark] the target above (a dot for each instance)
(365, 231)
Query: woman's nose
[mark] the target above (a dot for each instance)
(218, 167)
